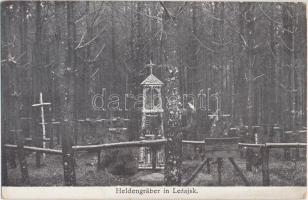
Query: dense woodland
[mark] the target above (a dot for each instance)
(253, 55)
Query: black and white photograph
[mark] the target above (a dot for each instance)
(153, 93)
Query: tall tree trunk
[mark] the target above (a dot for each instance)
(223, 69)
(271, 92)
(233, 84)
(113, 47)
(193, 70)
(215, 68)
(88, 69)
(23, 29)
(37, 83)
(240, 86)
(250, 32)
(289, 60)
(173, 150)
(91, 81)
(114, 71)
(67, 100)
(5, 89)
(221, 56)
(85, 79)
(139, 37)
(59, 62)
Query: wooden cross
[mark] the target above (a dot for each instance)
(150, 65)
(42, 104)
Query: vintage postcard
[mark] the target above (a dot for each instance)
(153, 100)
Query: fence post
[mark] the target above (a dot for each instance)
(265, 170)
(76, 133)
(50, 128)
(173, 157)
(22, 159)
(154, 157)
(286, 151)
(4, 177)
(83, 129)
(219, 169)
(68, 155)
(12, 153)
(98, 160)
(297, 154)
(208, 165)
(58, 130)
(248, 156)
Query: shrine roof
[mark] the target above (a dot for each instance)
(152, 80)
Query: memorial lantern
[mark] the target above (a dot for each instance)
(152, 121)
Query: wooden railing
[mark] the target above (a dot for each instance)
(141, 143)
(223, 140)
(96, 148)
(35, 149)
(275, 145)
(264, 149)
(264, 152)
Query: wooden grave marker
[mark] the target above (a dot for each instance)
(224, 147)
(41, 104)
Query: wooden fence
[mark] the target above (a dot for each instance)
(264, 152)
(35, 149)
(264, 149)
(141, 143)
(224, 149)
(97, 148)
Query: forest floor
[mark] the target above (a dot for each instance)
(282, 173)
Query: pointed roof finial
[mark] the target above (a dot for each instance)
(150, 65)
(151, 79)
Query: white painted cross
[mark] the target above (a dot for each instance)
(42, 104)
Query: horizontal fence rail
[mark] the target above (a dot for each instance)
(193, 142)
(120, 145)
(275, 145)
(149, 143)
(212, 141)
(35, 149)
